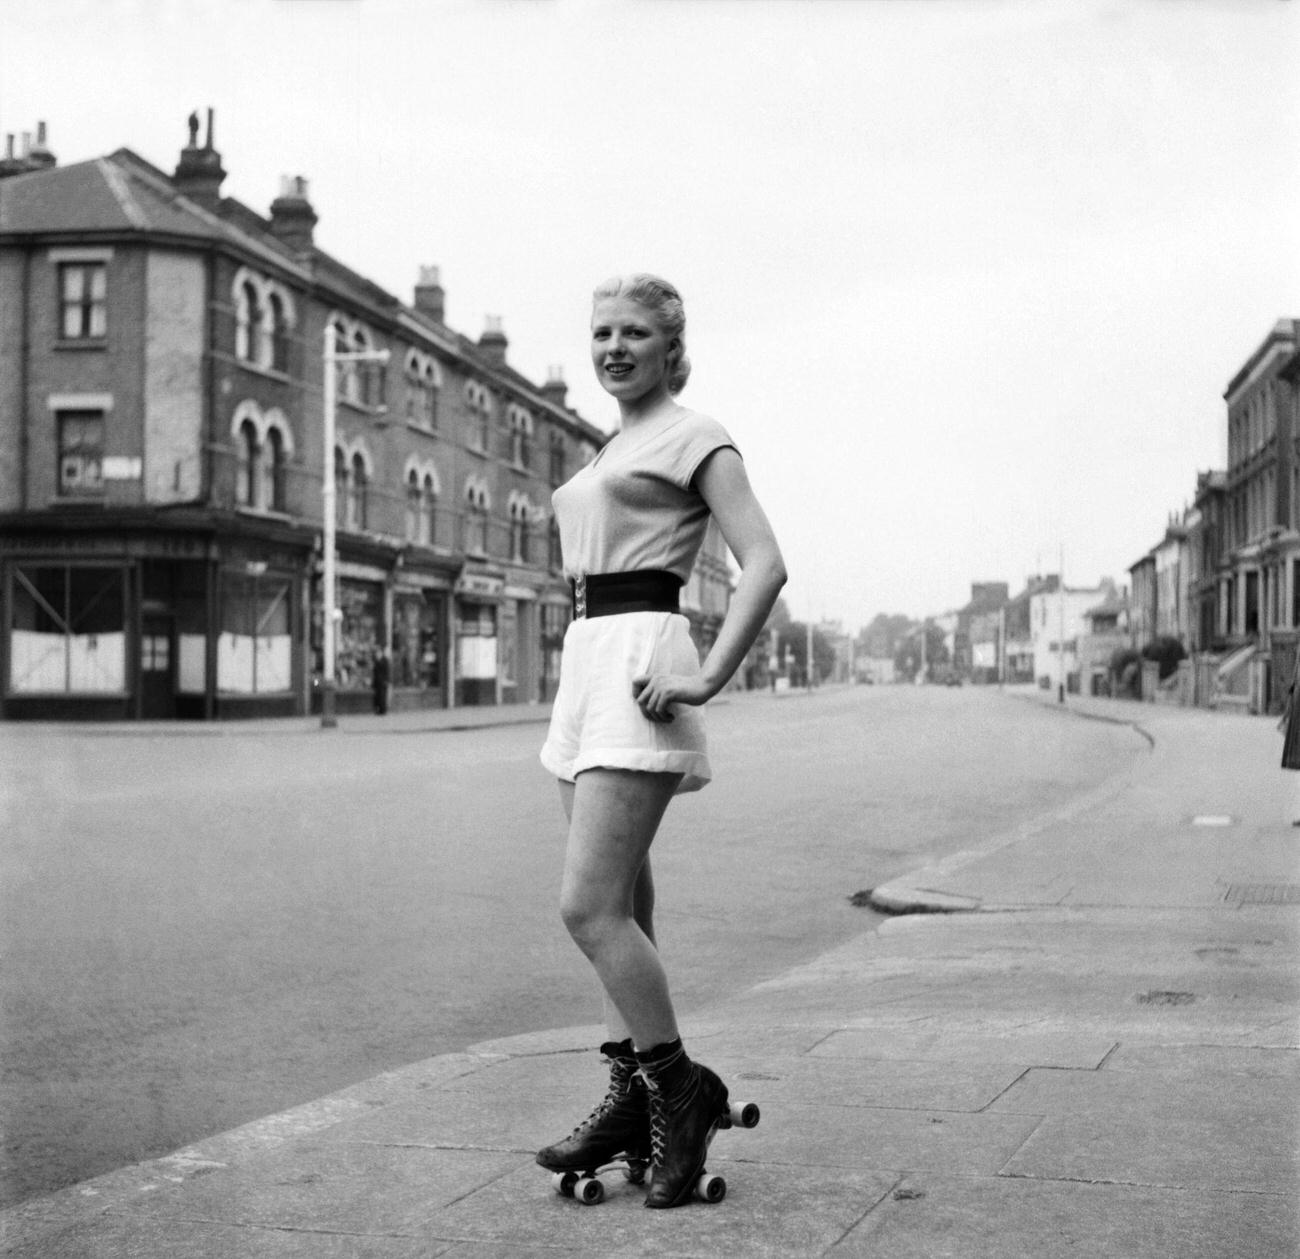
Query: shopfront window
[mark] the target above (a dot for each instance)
(417, 657)
(67, 630)
(476, 634)
(255, 647)
(360, 632)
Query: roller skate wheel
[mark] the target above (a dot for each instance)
(710, 1188)
(589, 1191)
(746, 1115)
(564, 1183)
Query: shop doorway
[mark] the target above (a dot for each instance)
(157, 668)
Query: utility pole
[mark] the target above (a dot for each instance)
(1061, 634)
(329, 592)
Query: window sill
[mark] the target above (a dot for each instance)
(425, 429)
(104, 695)
(264, 513)
(365, 408)
(259, 369)
(81, 343)
(79, 500)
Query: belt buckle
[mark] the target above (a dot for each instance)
(580, 596)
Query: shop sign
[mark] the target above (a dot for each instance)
(480, 584)
(167, 546)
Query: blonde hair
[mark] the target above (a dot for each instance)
(663, 301)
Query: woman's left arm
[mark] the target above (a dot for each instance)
(724, 486)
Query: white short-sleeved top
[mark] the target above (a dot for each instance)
(634, 506)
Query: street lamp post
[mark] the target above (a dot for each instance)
(330, 614)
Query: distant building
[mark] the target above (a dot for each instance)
(1105, 632)
(1019, 628)
(1205, 559)
(1059, 625)
(975, 651)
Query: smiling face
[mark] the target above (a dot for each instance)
(629, 350)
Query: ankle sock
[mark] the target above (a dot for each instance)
(669, 1066)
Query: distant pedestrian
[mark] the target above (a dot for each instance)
(626, 732)
(1290, 726)
(380, 673)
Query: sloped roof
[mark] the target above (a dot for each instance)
(99, 195)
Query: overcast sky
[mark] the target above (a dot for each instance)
(965, 279)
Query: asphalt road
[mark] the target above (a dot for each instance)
(201, 928)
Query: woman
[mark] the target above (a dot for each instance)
(1289, 725)
(626, 732)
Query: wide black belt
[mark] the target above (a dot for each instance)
(608, 594)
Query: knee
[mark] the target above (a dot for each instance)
(590, 925)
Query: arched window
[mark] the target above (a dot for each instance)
(276, 354)
(362, 371)
(480, 405)
(413, 506)
(423, 381)
(271, 477)
(521, 518)
(429, 513)
(521, 436)
(357, 497)
(476, 518)
(246, 475)
(248, 323)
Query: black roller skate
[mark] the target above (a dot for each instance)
(617, 1131)
(688, 1104)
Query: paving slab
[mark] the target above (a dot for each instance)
(947, 1044)
(938, 1217)
(333, 1187)
(130, 1235)
(1211, 1131)
(778, 1211)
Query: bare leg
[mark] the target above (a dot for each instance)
(607, 900)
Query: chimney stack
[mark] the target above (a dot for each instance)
(33, 157)
(199, 173)
(293, 221)
(430, 299)
(493, 342)
(555, 390)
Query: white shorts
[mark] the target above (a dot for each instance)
(596, 724)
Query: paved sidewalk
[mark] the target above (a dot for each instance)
(1101, 1060)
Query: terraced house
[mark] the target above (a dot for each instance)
(162, 462)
